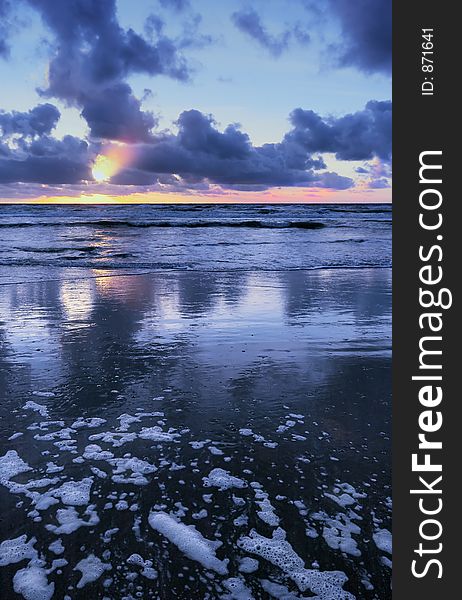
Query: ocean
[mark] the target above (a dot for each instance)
(46, 239)
(196, 402)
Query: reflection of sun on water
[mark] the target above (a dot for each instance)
(104, 168)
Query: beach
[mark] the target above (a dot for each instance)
(197, 432)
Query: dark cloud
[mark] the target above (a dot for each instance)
(115, 114)
(42, 169)
(200, 153)
(367, 34)
(335, 181)
(31, 155)
(376, 184)
(92, 57)
(38, 121)
(249, 22)
(358, 136)
(198, 133)
(47, 160)
(366, 31)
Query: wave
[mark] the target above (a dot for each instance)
(57, 249)
(183, 266)
(185, 224)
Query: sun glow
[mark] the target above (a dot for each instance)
(104, 168)
(113, 158)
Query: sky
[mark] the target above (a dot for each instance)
(195, 101)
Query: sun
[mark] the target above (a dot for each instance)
(104, 168)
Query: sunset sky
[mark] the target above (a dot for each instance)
(195, 100)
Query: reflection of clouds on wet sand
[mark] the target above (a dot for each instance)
(158, 385)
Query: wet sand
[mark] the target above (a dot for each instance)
(280, 379)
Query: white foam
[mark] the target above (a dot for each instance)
(32, 582)
(54, 468)
(56, 547)
(246, 432)
(383, 540)
(16, 550)
(343, 500)
(241, 520)
(11, 464)
(189, 541)
(248, 565)
(91, 568)
(338, 531)
(275, 590)
(198, 445)
(237, 589)
(133, 464)
(126, 420)
(88, 423)
(156, 434)
(223, 480)
(267, 511)
(216, 451)
(116, 439)
(40, 408)
(98, 472)
(95, 452)
(69, 520)
(138, 561)
(277, 551)
(74, 493)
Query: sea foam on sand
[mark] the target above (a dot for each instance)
(276, 550)
(189, 541)
(223, 480)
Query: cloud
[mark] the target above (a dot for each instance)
(38, 121)
(200, 153)
(376, 174)
(335, 181)
(362, 135)
(5, 7)
(92, 57)
(367, 37)
(176, 5)
(113, 113)
(366, 32)
(249, 22)
(46, 160)
(376, 184)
